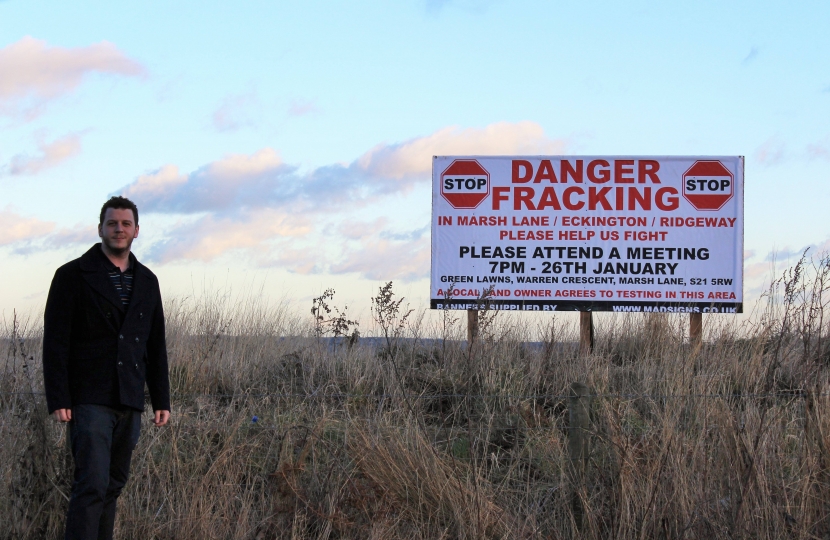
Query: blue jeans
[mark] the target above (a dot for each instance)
(102, 440)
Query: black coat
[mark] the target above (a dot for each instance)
(95, 350)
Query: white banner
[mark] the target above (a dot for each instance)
(588, 233)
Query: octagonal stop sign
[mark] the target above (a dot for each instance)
(465, 183)
(707, 185)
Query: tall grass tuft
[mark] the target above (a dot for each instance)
(290, 426)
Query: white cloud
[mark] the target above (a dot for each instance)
(300, 107)
(294, 259)
(26, 235)
(760, 275)
(355, 230)
(377, 255)
(234, 182)
(82, 234)
(753, 54)
(34, 73)
(413, 158)
(771, 152)
(257, 206)
(51, 154)
(383, 259)
(236, 112)
(155, 186)
(263, 180)
(756, 270)
(236, 167)
(819, 150)
(269, 239)
(15, 228)
(210, 236)
(79, 235)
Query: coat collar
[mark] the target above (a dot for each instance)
(96, 272)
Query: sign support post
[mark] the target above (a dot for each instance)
(472, 326)
(586, 332)
(695, 330)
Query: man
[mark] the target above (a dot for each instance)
(103, 338)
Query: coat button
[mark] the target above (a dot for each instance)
(136, 366)
(109, 314)
(120, 363)
(140, 315)
(121, 336)
(136, 340)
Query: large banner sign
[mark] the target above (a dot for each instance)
(603, 233)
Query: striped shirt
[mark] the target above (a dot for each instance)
(123, 282)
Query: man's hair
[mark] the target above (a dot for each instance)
(119, 203)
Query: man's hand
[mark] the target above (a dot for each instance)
(63, 415)
(161, 418)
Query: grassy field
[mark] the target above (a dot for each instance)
(280, 431)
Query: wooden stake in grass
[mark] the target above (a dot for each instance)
(578, 444)
(695, 330)
(472, 325)
(586, 332)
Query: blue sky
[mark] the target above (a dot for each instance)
(287, 145)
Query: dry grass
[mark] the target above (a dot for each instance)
(424, 438)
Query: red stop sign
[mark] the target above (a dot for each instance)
(465, 183)
(707, 185)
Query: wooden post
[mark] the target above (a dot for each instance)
(472, 325)
(579, 441)
(695, 330)
(586, 332)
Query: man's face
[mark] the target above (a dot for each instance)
(118, 229)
